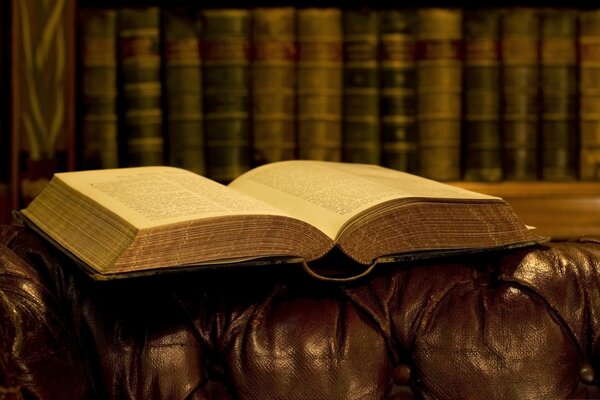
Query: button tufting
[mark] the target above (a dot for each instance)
(401, 375)
(586, 373)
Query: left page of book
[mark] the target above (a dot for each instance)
(156, 196)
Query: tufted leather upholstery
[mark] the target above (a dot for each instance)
(522, 324)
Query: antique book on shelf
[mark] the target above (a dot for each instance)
(138, 35)
(439, 91)
(98, 66)
(482, 142)
(361, 130)
(558, 69)
(320, 82)
(519, 64)
(273, 81)
(132, 220)
(226, 56)
(398, 89)
(589, 94)
(182, 30)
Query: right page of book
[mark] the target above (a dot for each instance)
(328, 194)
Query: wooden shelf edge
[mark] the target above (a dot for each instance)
(534, 189)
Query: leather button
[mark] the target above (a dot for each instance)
(401, 375)
(586, 373)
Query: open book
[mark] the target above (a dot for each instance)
(120, 221)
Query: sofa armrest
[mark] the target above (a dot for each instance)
(39, 357)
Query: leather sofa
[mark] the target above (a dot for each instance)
(518, 324)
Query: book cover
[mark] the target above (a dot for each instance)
(273, 83)
(482, 142)
(361, 129)
(398, 97)
(589, 94)
(320, 69)
(138, 31)
(182, 31)
(226, 83)
(439, 91)
(558, 64)
(520, 92)
(98, 61)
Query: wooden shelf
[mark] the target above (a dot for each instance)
(561, 210)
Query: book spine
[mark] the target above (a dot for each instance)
(320, 84)
(589, 94)
(558, 95)
(226, 52)
(481, 80)
(99, 121)
(519, 92)
(398, 89)
(273, 84)
(439, 69)
(141, 85)
(361, 132)
(182, 30)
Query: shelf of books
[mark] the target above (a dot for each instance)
(504, 100)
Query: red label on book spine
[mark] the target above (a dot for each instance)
(226, 50)
(439, 50)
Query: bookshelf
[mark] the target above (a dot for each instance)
(45, 103)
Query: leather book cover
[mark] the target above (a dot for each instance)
(439, 91)
(520, 92)
(558, 59)
(226, 83)
(361, 133)
(273, 83)
(589, 94)
(482, 141)
(320, 69)
(138, 31)
(183, 88)
(398, 89)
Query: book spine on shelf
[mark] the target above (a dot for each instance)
(226, 52)
(398, 97)
(138, 31)
(98, 61)
(182, 30)
(558, 94)
(519, 63)
(273, 82)
(481, 79)
(589, 94)
(361, 130)
(439, 91)
(320, 81)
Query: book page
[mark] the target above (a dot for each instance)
(328, 194)
(153, 196)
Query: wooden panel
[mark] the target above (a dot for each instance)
(42, 93)
(4, 204)
(561, 218)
